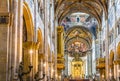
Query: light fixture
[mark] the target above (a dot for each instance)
(30, 51)
(110, 74)
(44, 64)
(102, 75)
(56, 76)
(119, 70)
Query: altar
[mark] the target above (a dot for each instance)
(77, 69)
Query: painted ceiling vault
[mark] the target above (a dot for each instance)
(92, 7)
(78, 40)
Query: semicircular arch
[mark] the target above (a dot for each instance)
(29, 22)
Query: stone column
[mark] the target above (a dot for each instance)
(40, 64)
(107, 50)
(55, 25)
(19, 30)
(66, 63)
(4, 43)
(115, 70)
(88, 65)
(89, 57)
(13, 38)
(46, 37)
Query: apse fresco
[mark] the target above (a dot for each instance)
(77, 47)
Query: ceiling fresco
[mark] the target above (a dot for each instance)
(78, 40)
(95, 8)
(80, 19)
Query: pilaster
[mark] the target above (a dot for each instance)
(4, 48)
(30, 57)
(46, 38)
(107, 50)
(60, 50)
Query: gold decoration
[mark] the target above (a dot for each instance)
(77, 69)
(60, 63)
(100, 63)
(31, 45)
(116, 62)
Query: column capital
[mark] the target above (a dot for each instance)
(60, 29)
(31, 45)
(116, 62)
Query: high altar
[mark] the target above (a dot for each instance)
(77, 69)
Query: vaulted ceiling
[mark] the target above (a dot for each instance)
(95, 8)
(77, 34)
